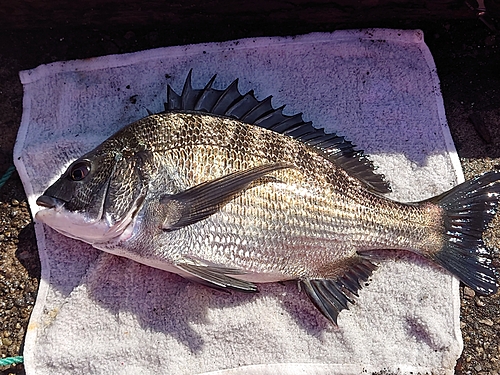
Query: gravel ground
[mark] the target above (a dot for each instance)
(467, 58)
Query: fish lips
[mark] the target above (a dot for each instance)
(50, 202)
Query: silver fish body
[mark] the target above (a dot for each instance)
(219, 197)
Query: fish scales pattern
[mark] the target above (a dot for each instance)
(287, 226)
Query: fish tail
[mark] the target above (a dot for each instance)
(467, 210)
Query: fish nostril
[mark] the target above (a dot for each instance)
(46, 201)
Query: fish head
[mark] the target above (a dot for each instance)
(98, 195)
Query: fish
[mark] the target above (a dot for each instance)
(228, 191)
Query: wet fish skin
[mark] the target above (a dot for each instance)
(230, 204)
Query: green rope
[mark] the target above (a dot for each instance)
(9, 361)
(7, 175)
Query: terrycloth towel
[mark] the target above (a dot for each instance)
(101, 314)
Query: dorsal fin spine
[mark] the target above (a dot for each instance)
(173, 100)
(260, 110)
(186, 91)
(227, 98)
(242, 105)
(288, 121)
(204, 97)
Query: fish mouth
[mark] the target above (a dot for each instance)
(49, 202)
(71, 224)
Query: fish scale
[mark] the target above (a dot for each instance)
(223, 189)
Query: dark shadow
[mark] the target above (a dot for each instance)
(184, 303)
(161, 301)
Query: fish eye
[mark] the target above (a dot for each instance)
(80, 170)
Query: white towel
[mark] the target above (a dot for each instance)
(100, 314)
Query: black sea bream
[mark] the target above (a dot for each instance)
(225, 190)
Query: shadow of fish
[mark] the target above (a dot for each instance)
(228, 191)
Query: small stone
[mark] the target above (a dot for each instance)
(479, 302)
(486, 321)
(15, 202)
(6, 341)
(478, 368)
(468, 292)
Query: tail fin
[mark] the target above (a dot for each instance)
(468, 209)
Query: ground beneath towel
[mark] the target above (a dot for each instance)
(467, 57)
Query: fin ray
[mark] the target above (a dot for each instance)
(262, 109)
(242, 106)
(227, 98)
(189, 97)
(208, 97)
(173, 100)
(328, 309)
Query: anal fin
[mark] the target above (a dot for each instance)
(331, 296)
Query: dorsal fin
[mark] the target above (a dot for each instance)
(247, 108)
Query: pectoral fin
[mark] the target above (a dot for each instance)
(205, 199)
(216, 276)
